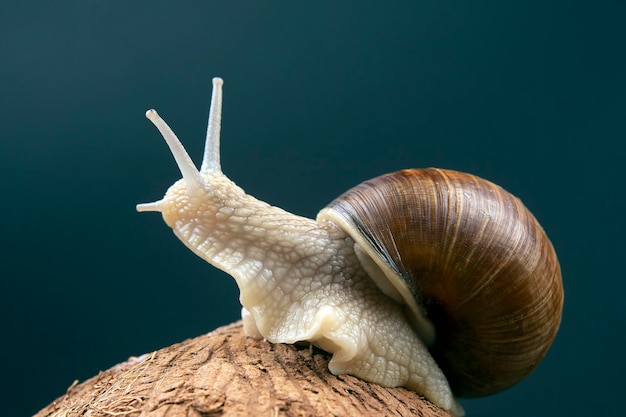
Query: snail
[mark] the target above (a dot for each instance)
(431, 279)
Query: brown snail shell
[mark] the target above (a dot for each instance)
(476, 261)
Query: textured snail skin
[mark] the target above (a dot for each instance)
(327, 281)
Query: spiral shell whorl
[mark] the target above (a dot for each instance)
(477, 262)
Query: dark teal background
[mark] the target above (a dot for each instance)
(318, 97)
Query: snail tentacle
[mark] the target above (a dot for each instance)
(211, 158)
(191, 175)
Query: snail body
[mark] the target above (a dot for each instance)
(431, 279)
